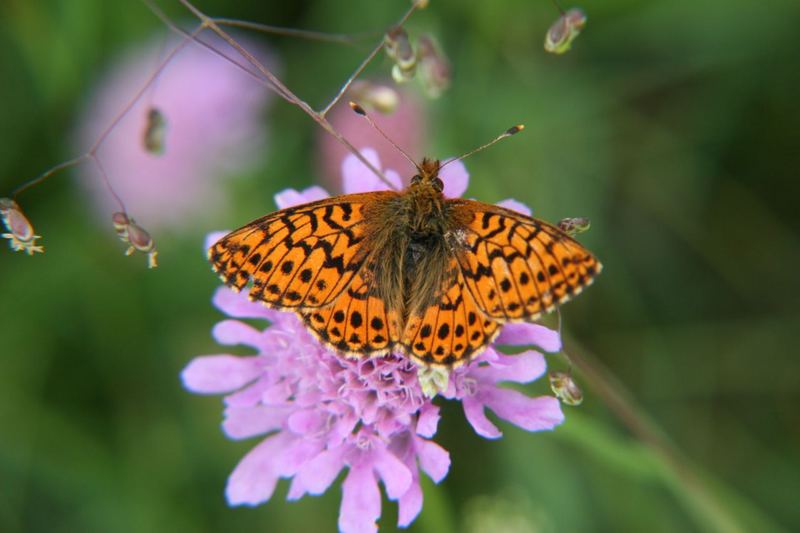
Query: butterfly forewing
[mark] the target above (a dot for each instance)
(300, 257)
(516, 266)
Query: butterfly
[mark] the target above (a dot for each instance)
(406, 271)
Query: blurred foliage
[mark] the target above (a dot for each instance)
(671, 124)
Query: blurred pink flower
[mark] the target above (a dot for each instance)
(319, 413)
(214, 129)
(405, 126)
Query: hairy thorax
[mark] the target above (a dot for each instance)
(413, 236)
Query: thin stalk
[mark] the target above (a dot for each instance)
(207, 22)
(293, 32)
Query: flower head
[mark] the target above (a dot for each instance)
(200, 121)
(318, 413)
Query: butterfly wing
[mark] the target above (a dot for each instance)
(450, 332)
(516, 266)
(508, 267)
(357, 323)
(301, 257)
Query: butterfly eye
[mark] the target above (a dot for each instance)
(416, 179)
(438, 184)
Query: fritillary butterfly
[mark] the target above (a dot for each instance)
(410, 271)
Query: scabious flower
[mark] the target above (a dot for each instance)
(318, 413)
(199, 122)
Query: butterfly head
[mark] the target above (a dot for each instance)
(428, 175)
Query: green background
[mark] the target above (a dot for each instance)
(674, 125)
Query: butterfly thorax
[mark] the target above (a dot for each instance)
(411, 239)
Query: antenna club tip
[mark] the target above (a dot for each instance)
(358, 109)
(515, 129)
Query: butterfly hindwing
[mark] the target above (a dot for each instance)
(357, 323)
(450, 331)
(300, 257)
(516, 266)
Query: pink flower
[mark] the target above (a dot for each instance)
(213, 129)
(318, 413)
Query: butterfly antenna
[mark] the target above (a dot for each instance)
(361, 111)
(508, 133)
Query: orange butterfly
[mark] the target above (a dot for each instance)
(409, 271)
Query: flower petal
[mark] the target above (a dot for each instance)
(433, 459)
(361, 501)
(296, 490)
(473, 410)
(253, 480)
(247, 422)
(533, 414)
(277, 393)
(248, 396)
(393, 472)
(515, 205)
(410, 504)
(318, 473)
(236, 305)
(521, 368)
(428, 420)
(233, 332)
(455, 178)
(291, 197)
(297, 454)
(213, 237)
(357, 177)
(520, 333)
(306, 421)
(215, 374)
(394, 178)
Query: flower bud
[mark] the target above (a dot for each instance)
(121, 221)
(573, 226)
(565, 388)
(434, 68)
(135, 236)
(401, 76)
(382, 98)
(433, 380)
(21, 235)
(398, 48)
(564, 30)
(155, 132)
(421, 4)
